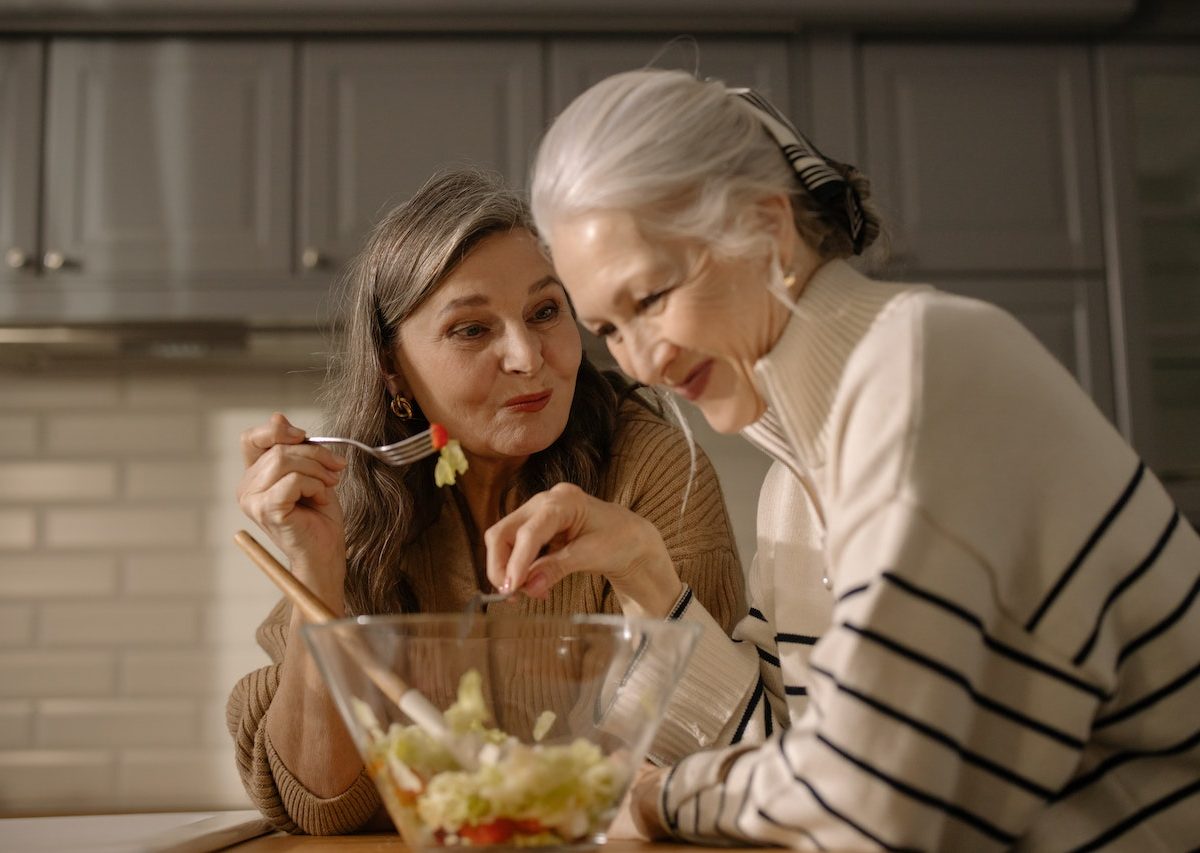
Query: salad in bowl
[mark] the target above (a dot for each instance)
(545, 720)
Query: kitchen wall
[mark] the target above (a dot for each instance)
(125, 611)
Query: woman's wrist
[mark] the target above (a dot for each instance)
(652, 586)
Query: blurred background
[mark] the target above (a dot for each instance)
(181, 182)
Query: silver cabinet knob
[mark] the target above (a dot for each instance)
(311, 258)
(16, 259)
(54, 260)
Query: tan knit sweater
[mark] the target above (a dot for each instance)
(648, 474)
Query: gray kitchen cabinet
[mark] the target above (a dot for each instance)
(984, 155)
(762, 63)
(983, 163)
(20, 159)
(167, 184)
(378, 118)
(169, 158)
(1150, 116)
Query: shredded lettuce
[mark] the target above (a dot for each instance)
(521, 794)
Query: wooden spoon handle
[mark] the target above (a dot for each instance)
(410, 701)
(301, 596)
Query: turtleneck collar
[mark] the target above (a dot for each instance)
(799, 377)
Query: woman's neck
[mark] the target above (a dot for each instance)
(484, 486)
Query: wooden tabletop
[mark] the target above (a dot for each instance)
(278, 843)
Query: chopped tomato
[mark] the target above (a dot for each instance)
(496, 832)
(438, 435)
(500, 830)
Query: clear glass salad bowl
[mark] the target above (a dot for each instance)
(536, 727)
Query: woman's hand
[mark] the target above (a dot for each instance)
(565, 530)
(288, 490)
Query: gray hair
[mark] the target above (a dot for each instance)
(407, 255)
(687, 157)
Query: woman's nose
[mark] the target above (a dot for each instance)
(650, 358)
(522, 352)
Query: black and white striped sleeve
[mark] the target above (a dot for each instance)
(935, 721)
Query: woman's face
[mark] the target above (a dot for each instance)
(493, 353)
(672, 314)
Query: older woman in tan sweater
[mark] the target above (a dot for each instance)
(453, 316)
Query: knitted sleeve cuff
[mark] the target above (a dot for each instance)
(718, 677)
(308, 813)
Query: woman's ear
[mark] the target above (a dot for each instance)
(391, 378)
(778, 220)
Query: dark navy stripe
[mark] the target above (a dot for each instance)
(1140, 816)
(672, 822)
(1114, 761)
(768, 657)
(800, 829)
(961, 680)
(1169, 620)
(1086, 549)
(768, 722)
(970, 818)
(1148, 700)
(801, 639)
(794, 690)
(684, 601)
(995, 645)
(831, 810)
(1126, 582)
(852, 591)
(749, 712)
(757, 614)
(941, 737)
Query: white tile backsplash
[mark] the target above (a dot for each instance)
(37, 482)
(18, 434)
(119, 623)
(126, 612)
(16, 724)
(42, 673)
(65, 576)
(80, 723)
(18, 528)
(124, 434)
(146, 526)
(16, 624)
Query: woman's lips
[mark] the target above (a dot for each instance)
(695, 382)
(529, 402)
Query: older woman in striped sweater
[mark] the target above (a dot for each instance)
(973, 620)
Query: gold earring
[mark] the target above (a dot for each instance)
(789, 280)
(401, 407)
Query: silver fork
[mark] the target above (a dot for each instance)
(403, 452)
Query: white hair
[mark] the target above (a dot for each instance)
(689, 158)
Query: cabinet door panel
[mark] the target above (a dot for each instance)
(1150, 97)
(20, 157)
(379, 118)
(170, 159)
(760, 63)
(982, 156)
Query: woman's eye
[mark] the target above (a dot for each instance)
(654, 299)
(470, 330)
(547, 312)
(606, 331)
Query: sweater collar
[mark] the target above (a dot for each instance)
(800, 376)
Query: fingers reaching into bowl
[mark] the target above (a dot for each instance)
(288, 489)
(565, 530)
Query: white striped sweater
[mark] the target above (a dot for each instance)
(1008, 656)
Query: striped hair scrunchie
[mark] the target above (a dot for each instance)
(820, 179)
